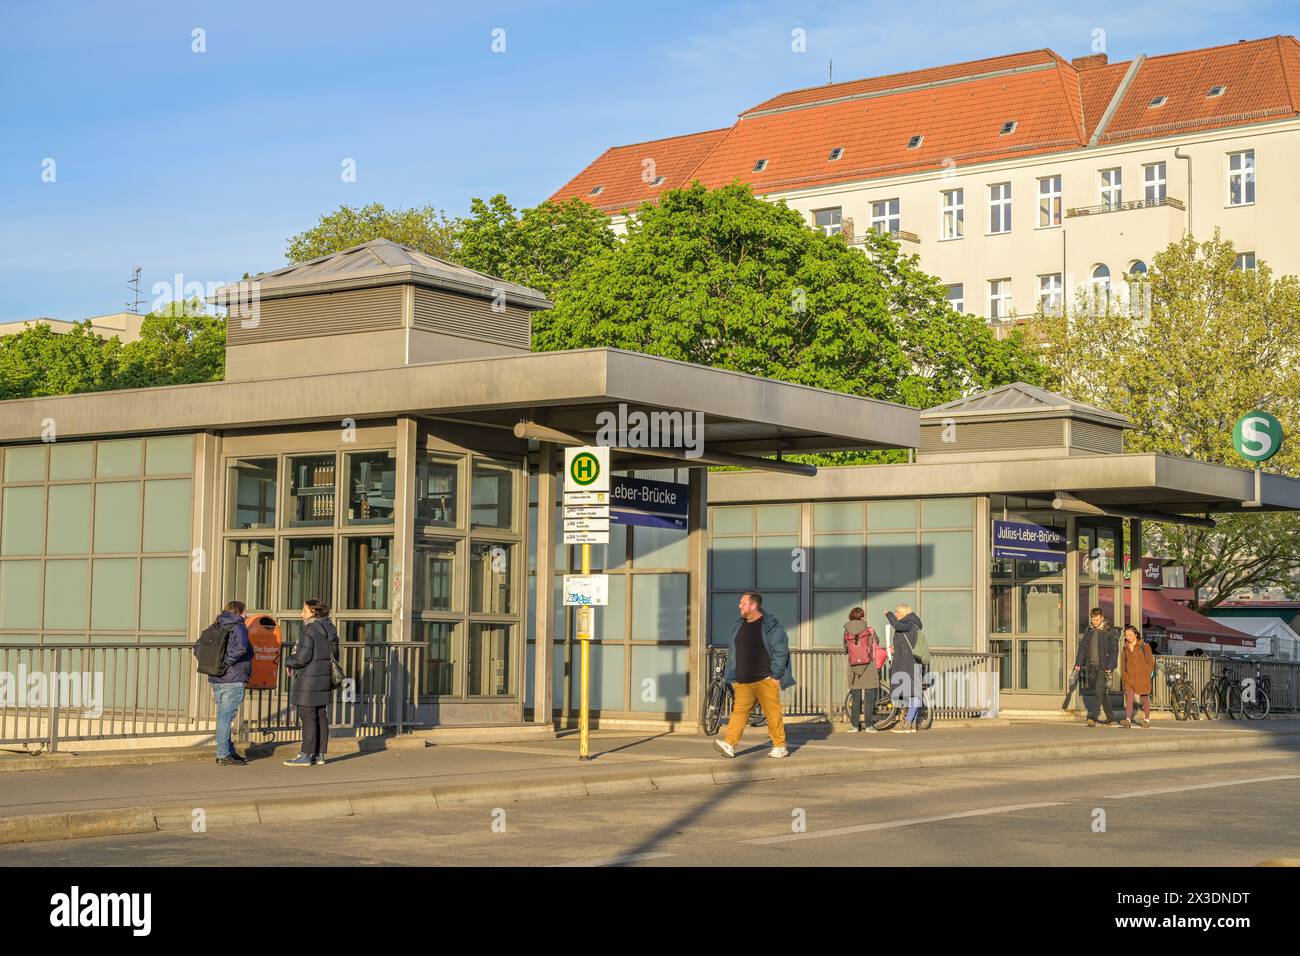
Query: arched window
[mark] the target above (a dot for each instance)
(1137, 269)
(1100, 275)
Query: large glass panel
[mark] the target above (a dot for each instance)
(659, 548)
(947, 513)
(1107, 551)
(723, 615)
(948, 618)
(839, 561)
(1042, 609)
(733, 562)
(838, 515)
(608, 622)
(435, 575)
(311, 490)
(1002, 568)
(732, 519)
(605, 677)
(117, 517)
(164, 593)
(437, 481)
(490, 567)
(119, 459)
(659, 678)
(1106, 601)
(167, 515)
(659, 604)
(172, 455)
(67, 594)
(251, 488)
(372, 487)
(68, 530)
(492, 496)
(250, 571)
(776, 563)
(1006, 665)
(893, 560)
(947, 559)
(1040, 665)
(1085, 542)
(778, 518)
(1001, 597)
(22, 523)
(784, 607)
(878, 602)
(884, 515)
(440, 666)
(604, 557)
(72, 462)
(488, 667)
(25, 463)
(369, 573)
(20, 592)
(113, 594)
(830, 614)
(310, 571)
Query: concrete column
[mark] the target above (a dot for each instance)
(404, 528)
(1135, 572)
(698, 589)
(544, 593)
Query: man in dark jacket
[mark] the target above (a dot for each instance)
(1098, 655)
(228, 688)
(758, 668)
(310, 659)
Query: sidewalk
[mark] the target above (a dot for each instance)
(99, 801)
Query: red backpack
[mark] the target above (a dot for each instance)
(862, 648)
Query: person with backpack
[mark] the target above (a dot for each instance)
(863, 652)
(225, 655)
(911, 655)
(1099, 654)
(312, 662)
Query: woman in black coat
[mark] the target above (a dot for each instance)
(310, 661)
(905, 668)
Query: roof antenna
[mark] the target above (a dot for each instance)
(134, 285)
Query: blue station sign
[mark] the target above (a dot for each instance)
(1032, 542)
(651, 504)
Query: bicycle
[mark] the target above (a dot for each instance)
(1254, 699)
(1221, 695)
(889, 711)
(1182, 696)
(720, 697)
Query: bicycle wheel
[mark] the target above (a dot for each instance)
(887, 712)
(1234, 702)
(847, 711)
(1179, 704)
(1256, 709)
(714, 705)
(1210, 701)
(925, 717)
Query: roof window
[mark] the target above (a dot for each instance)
(1008, 127)
(915, 141)
(1216, 90)
(596, 190)
(836, 153)
(658, 181)
(1157, 101)
(760, 165)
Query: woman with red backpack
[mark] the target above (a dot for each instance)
(861, 648)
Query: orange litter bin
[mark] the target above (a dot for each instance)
(264, 635)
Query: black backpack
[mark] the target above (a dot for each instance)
(211, 649)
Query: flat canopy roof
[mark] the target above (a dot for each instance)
(741, 413)
(1146, 482)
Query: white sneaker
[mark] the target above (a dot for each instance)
(726, 748)
(870, 730)
(853, 730)
(779, 752)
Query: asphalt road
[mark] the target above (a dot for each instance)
(1217, 809)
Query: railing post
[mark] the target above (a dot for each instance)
(54, 702)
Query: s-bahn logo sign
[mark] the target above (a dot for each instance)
(1257, 436)
(586, 468)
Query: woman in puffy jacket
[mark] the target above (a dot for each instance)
(864, 679)
(317, 646)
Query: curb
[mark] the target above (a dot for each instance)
(149, 819)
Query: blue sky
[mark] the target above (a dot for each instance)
(203, 164)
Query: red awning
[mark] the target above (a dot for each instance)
(1183, 622)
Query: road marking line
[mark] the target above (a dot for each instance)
(1200, 786)
(615, 860)
(893, 824)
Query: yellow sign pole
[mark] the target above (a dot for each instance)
(585, 616)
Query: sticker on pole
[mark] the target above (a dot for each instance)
(586, 590)
(586, 468)
(1257, 436)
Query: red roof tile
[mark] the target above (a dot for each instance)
(627, 174)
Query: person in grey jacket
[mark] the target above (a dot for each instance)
(905, 666)
(864, 679)
(318, 644)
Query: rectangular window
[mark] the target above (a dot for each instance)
(1153, 179)
(435, 576)
(828, 221)
(490, 578)
(369, 566)
(251, 490)
(999, 298)
(310, 571)
(311, 491)
(440, 639)
(437, 482)
(1051, 293)
(1241, 178)
(1049, 201)
(250, 572)
(372, 487)
(1245, 260)
(956, 296)
(492, 496)
(884, 217)
(1112, 188)
(489, 660)
(1000, 207)
(952, 224)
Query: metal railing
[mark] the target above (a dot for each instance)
(75, 692)
(1123, 206)
(961, 684)
(1283, 678)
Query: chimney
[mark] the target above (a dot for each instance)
(1090, 62)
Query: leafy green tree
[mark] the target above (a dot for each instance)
(181, 344)
(421, 228)
(1214, 343)
(722, 278)
(39, 361)
(539, 248)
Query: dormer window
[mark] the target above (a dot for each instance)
(760, 165)
(1008, 127)
(836, 153)
(915, 141)
(1157, 101)
(596, 190)
(1216, 91)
